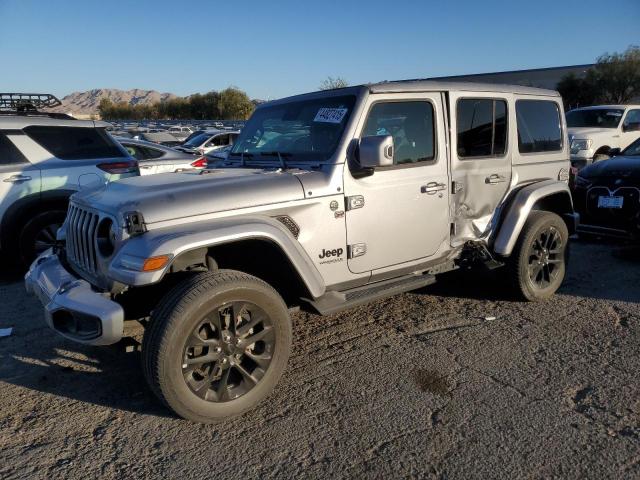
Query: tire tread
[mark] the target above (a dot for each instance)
(171, 311)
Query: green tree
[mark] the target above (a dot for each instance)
(234, 104)
(211, 101)
(330, 83)
(615, 78)
(576, 91)
(105, 109)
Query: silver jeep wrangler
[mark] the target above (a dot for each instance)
(327, 200)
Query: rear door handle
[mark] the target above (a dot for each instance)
(17, 179)
(495, 178)
(432, 187)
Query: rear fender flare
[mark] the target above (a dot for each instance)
(519, 208)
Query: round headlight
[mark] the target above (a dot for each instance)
(106, 237)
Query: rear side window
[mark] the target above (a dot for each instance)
(220, 140)
(539, 126)
(75, 143)
(9, 153)
(481, 127)
(151, 152)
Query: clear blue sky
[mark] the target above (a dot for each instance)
(276, 48)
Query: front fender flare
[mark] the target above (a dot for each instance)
(519, 209)
(174, 241)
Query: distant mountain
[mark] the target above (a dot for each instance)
(86, 103)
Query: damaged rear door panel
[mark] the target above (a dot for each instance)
(481, 155)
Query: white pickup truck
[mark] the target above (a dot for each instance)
(598, 132)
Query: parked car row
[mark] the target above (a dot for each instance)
(46, 157)
(168, 134)
(341, 196)
(596, 133)
(38, 176)
(208, 141)
(153, 158)
(606, 194)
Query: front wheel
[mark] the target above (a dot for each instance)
(538, 263)
(217, 345)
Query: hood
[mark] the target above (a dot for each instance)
(589, 132)
(170, 196)
(620, 167)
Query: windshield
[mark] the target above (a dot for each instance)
(598, 118)
(632, 150)
(197, 140)
(308, 129)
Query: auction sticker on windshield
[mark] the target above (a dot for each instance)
(330, 115)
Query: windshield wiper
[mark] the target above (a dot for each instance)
(281, 156)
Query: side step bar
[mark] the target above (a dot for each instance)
(332, 302)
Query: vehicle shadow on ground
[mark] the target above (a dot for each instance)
(618, 281)
(103, 376)
(9, 272)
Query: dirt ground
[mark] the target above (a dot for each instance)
(425, 384)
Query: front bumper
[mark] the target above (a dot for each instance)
(72, 308)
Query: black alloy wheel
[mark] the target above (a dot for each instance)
(229, 352)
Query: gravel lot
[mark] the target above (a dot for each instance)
(419, 385)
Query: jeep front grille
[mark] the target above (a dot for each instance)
(81, 233)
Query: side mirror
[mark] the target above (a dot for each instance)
(376, 151)
(613, 152)
(631, 127)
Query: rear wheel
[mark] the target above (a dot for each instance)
(217, 345)
(39, 234)
(538, 262)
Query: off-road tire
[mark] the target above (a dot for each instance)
(174, 320)
(43, 223)
(518, 263)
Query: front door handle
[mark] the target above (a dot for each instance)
(495, 178)
(432, 187)
(17, 179)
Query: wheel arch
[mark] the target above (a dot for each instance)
(550, 195)
(21, 211)
(251, 246)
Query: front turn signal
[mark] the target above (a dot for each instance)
(155, 263)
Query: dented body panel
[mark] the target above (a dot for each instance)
(519, 208)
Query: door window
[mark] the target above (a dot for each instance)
(221, 140)
(481, 127)
(9, 153)
(632, 119)
(539, 126)
(410, 124)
